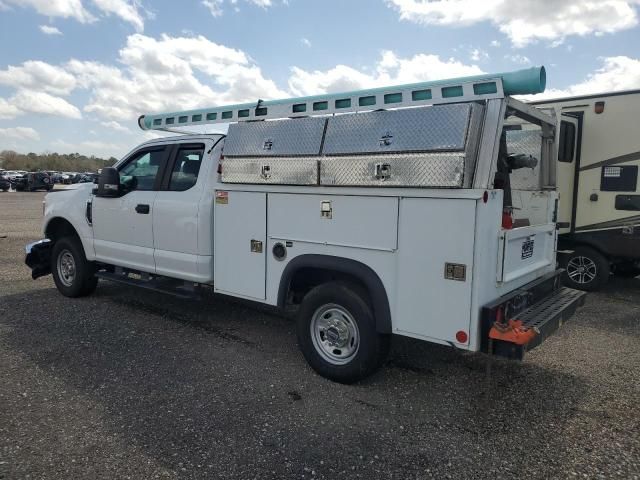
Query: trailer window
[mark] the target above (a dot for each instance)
(566, 148)
(186, 168)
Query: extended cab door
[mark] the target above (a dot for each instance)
(123, 226)
(183, 214)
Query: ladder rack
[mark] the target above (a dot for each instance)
(466, 89)
(402, 96)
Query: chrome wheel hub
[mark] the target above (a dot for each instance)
(582, 270)
(335, 334)
(66, 268)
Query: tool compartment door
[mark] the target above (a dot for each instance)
(435, 240)
(240, 220)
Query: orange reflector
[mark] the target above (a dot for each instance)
(461, 336)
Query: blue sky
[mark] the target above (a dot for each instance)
(75, 74)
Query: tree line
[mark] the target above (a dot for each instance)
(61, 162)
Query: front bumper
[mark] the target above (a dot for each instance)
(39, 257)
(539, 308)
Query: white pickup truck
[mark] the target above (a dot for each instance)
(379, 212)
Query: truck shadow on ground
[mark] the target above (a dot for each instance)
(219, 382)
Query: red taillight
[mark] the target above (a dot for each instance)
(507, 219)
(485, 196)
(219, 169)
(461, 336)
(500, 315)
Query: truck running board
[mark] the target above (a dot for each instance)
(185, 290)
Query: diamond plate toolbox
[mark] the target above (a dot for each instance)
(276, 171)
(424, 129)
(294, 137)
(395, 170)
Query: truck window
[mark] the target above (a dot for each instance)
(140, 172)
(567, 142)
(186, 168)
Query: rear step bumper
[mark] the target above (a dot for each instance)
(542, 307)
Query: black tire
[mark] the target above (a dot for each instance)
(595, 269)
(346, 308)
(82, 281)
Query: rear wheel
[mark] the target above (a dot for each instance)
(72, 273)
(586, 269)
(337, 333)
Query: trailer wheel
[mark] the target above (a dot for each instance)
(72, 273)
(337, 333)
(586, 269)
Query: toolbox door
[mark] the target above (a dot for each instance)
(240, 220)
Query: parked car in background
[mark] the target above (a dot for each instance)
(12, 174)
(56, 177)
(5, 184)
(88, 177)
(32, 181)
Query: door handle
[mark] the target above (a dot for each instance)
(141, 208)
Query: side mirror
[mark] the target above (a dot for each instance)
(108, 183)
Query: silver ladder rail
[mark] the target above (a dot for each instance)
(401, 96)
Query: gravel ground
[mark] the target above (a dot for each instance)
(132, 384)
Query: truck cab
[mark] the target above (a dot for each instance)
(424, 219)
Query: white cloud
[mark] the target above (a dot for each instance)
(123, 9)
(113, 125)
(305, 41)
(616, 73)
(126, 10)
(167, 74)
(517, 58)
(214, 6)
(478, 55)
(49, 30)
(526, 21)
(41, 102)
(57, 8)
(19, 133)
(37, 75)
(495, 43)
(8, 110)
(262, 3)
(389, 70)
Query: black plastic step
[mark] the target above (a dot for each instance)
(172, 287)
(545, 317)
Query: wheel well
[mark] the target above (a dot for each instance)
(306, 278)
(305, 272)
(59, 227)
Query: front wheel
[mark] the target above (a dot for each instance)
(72, 273)
(337, 333)
(586, 269)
